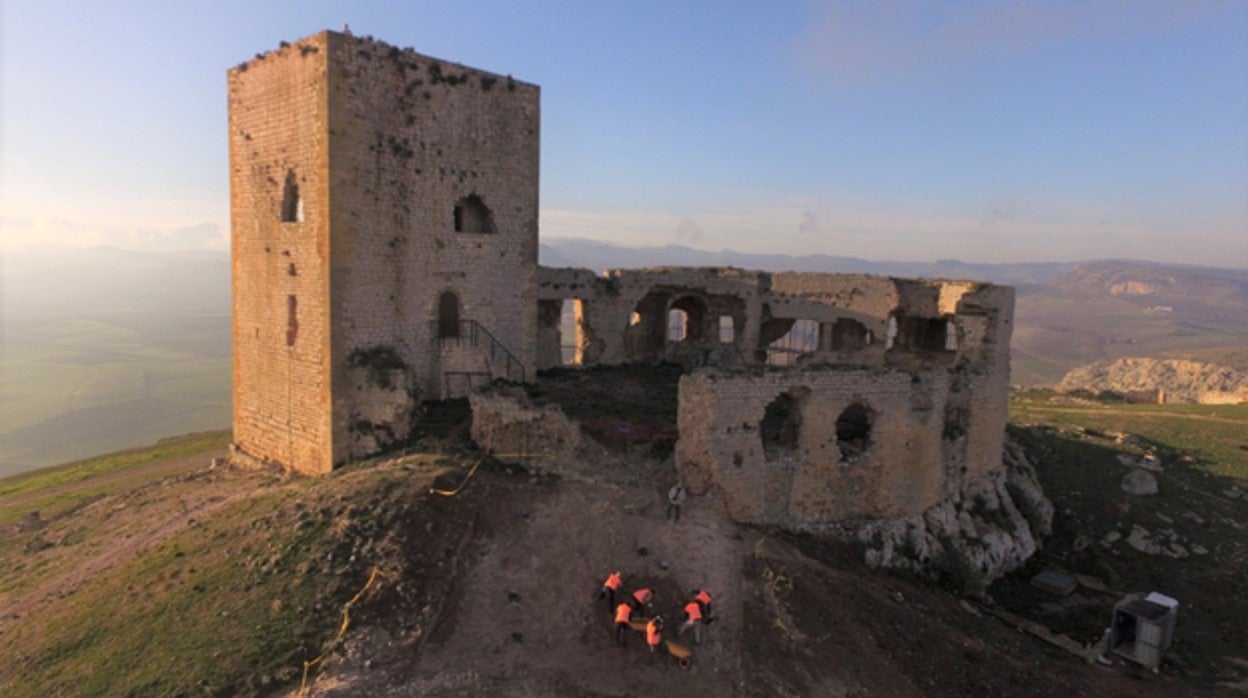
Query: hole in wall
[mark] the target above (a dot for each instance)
(853, 431)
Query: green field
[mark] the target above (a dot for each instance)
(1216, 435)
(73, 387)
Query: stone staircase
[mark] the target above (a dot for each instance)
(472, 357)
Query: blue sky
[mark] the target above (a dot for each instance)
(982, 131)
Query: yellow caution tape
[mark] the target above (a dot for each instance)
(452, 493)
(342, 630)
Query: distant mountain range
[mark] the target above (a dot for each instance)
(106, 348)
(599, 255)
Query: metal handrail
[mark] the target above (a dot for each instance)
(476, 334)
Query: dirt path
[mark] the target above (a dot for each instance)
(142, 473)
(124, 523)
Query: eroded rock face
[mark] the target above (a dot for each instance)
(988, 528)
(1170, 380)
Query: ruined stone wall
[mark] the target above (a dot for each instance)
(862, 320)
(279, 169)
(814, 479)
(411, 139)
(783, 446)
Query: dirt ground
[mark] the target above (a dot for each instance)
(794, 616)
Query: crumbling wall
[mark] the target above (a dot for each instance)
(507, 424)
(861, 320)
(822, 478)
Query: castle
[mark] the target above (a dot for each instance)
(385, 236)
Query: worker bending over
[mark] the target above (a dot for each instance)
(654, 635)
(643, 600)
(703, 597)
(693, 619)
(623, 614)
(609, 588)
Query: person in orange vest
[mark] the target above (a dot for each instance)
(609, 588)
(693, 619)
(703, 597)
(643, 600)
(623, 614)
(654, 635)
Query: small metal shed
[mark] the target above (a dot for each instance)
(1143, 627)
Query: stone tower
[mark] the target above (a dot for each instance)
(384, 240)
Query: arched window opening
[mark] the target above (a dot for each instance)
(802, 338)
(727, 329)
(848, 335)
(473, 216)
(448, 316)
(686, 319)
(677, 325)
(292, 205)
(853, 431)
(781, 427)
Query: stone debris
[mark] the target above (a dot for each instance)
(1142, 541)
(1139, 482)
(1111, 537)
(1193, 517)
(1055, 582)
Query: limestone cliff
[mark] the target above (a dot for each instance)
(979, 533)
(1179, 380)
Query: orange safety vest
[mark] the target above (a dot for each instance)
(704, 597)
(623, 612)
(643, 595)
(652, 633)
(694, 611)
(613, 582)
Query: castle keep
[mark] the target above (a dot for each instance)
(385, 235)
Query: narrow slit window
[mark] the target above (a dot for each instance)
(292, 203)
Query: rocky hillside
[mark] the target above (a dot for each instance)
(1181, 380)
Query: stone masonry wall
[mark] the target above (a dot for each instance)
(277, 136)
(409, 138)
(722, 443)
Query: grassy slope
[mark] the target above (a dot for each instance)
(232, 604)
(1202, 449)
(1217, 435)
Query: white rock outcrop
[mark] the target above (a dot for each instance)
(990, 527)
(1177, 380)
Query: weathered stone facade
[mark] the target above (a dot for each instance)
(385, 253)
(384, 230)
